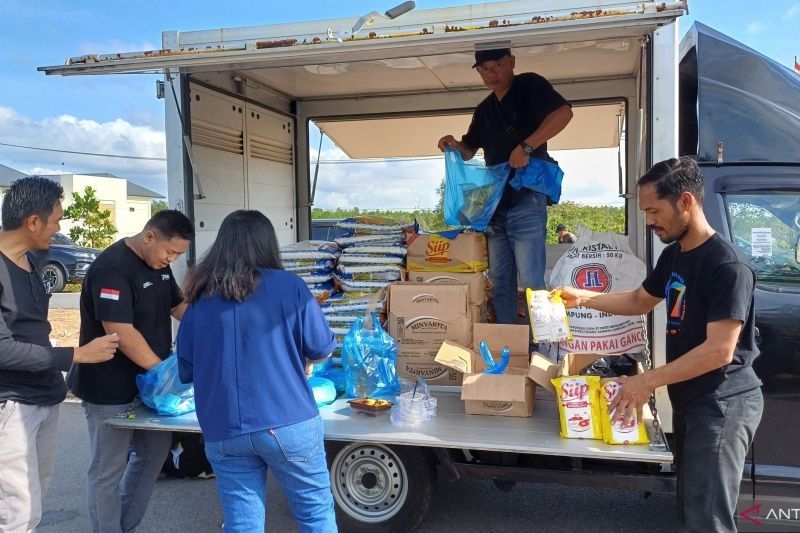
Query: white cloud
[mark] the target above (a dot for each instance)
(755, 27)
(792, 12)
(70, 133)
(590, 176)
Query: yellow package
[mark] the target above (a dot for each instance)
(615, 431)
(548, 316)
(579, 406)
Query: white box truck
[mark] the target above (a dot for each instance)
(239, 104)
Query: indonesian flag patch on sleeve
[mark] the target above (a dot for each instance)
(109, 294)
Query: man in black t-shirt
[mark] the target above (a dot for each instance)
(129, 290)
(512, 125)
(715, 393)
(31, 381)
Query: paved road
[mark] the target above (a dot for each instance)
(464, 506)
(65, 300)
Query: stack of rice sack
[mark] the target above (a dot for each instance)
(314, 262)
(373, 253)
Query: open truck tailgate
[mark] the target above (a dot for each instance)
(451, 428)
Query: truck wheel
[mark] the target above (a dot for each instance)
(53, 277)
(380, 488)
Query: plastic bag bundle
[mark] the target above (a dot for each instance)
(471, 191)
(306, 250)
(336, 375)
(352, 303)
(548, 316)
(371, 225)
(612, 366)
(314, 262)
(371, 240)
(370, 259)
(311, 266)
(160, 389)
(369, 358)
(615, 430)
(369, 272)
(396, 249)
(579, 406)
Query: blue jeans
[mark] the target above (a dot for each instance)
(711, 439)
(296, 454)
(516, 239)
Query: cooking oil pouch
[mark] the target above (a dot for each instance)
(548, 316)
(471, 191)
(615, 430)
(579, 407)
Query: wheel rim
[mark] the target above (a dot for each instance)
(369, 482)
(49, 277)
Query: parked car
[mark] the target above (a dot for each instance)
(66, 262)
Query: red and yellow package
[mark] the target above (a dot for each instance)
(579, 406)
(615, 431)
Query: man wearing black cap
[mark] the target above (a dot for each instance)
(513, 124)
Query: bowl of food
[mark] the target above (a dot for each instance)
(370, 406)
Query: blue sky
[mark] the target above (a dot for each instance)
(120, 114)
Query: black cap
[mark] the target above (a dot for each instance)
(560, 228)
(490, 55)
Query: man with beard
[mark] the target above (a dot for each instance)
(715, 394)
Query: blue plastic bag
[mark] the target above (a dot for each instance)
(323, 389)
(540, 176)
(471, 191)
(493, 367)
(161, 389)
(369, 358)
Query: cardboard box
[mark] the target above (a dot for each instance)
(497, 336)
(414, 299)
(429, 331)
(509, 394)
(479, 313)
(422, 315)
(414, 363)
(435, 252)
(476, 282)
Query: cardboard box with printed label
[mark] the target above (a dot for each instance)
(447, 252)
(412, 363)
(422, 315)
(476, 288)
(509, 394)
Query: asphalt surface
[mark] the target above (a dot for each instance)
(463, 506)
(65, 300)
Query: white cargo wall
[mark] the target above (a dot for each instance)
(245, 160)
(270, 169)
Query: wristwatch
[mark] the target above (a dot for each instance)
(527, 148)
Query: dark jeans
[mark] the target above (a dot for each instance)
(712, 436)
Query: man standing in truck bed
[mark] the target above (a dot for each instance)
(715, 393)
(513, 124)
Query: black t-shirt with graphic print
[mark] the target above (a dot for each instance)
(706, 284)
(121, 287)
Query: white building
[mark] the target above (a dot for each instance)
(129, 203)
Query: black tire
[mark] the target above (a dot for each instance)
(365, 502)
(53, 277)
